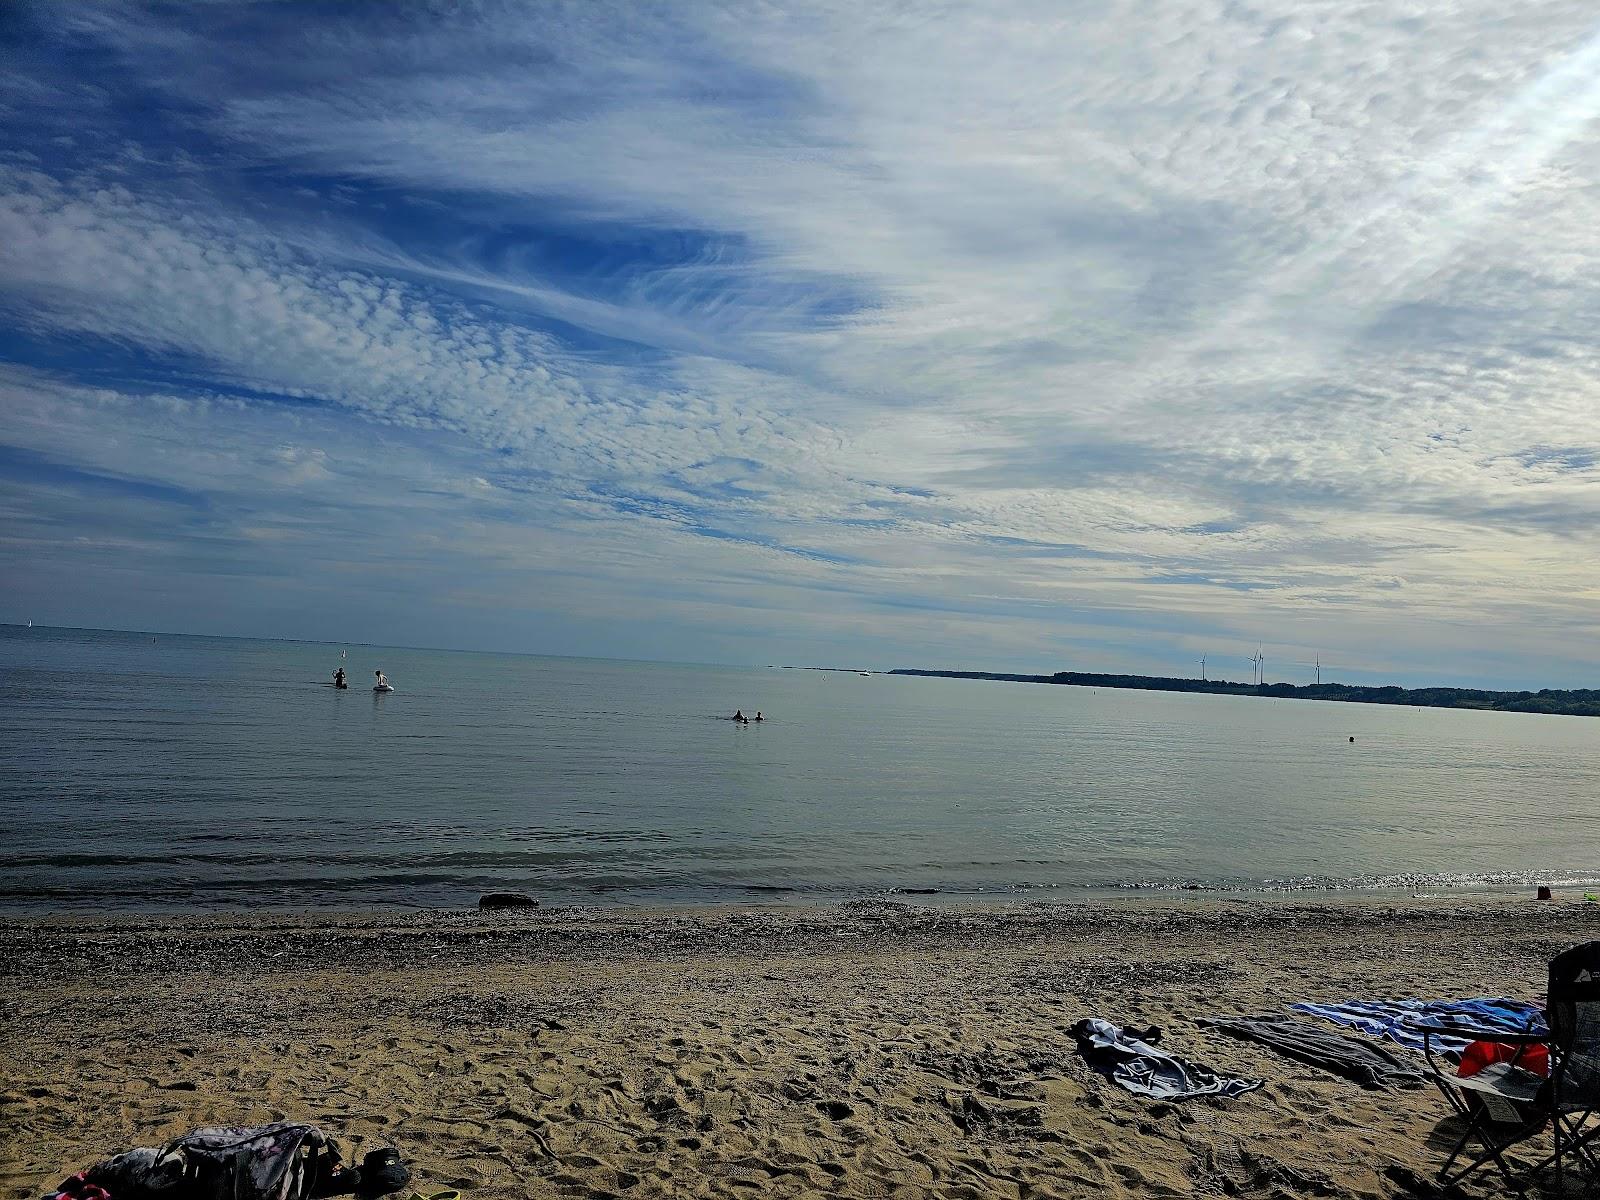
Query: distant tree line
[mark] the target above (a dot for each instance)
(1577, 702)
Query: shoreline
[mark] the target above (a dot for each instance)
(878, 1048)
(1567, 885)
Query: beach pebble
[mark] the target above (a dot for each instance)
(491, 900)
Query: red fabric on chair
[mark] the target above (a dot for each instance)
(1478, 1055)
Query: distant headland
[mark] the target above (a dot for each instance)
(1580, 702)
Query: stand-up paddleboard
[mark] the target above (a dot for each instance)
(383, 687)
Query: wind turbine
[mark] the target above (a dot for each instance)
(1255, 666)
(1202, 668)
(1316, 666)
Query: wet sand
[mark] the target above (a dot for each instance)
(872, 1049)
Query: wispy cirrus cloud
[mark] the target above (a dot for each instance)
(1008, 336)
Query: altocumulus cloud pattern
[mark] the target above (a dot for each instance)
(1022, 335)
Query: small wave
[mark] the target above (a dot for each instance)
(454, 879)
(1401, 881)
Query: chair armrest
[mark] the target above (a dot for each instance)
(1479, 1035)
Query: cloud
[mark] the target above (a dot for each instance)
(1101, 336)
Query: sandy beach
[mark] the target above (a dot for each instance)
(871, 1049)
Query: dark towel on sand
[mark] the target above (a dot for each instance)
(1369, 1065)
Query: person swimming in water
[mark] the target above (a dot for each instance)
(738, 715)
(338, 679)
(758, 715)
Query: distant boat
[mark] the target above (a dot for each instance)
(30, 624)
(865, 674)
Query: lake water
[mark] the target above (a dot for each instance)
(211, 772)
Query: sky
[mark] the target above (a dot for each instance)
(1023, 336)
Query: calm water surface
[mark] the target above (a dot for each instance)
(210, 772)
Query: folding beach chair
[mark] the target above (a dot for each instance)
(1504, 1104)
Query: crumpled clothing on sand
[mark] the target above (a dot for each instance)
(263, 1162)
(1146, 1070)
